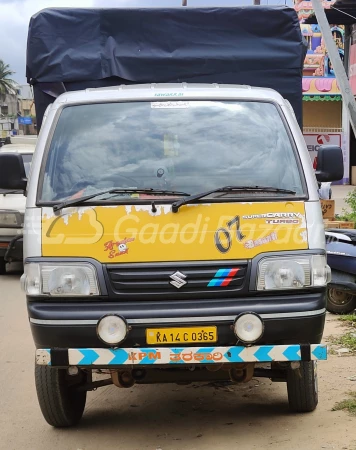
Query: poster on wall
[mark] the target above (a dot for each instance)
(315, 140)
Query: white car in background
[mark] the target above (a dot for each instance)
(12, 209)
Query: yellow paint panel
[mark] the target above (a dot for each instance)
(121, 234)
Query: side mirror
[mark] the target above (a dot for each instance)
(330, 163)
(12, 171)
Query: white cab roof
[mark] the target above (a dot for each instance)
(169, 91)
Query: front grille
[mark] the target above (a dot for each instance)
(165, 281)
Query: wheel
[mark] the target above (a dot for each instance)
(61, 405)
(2, 266)
(302, 386)
(340, 302)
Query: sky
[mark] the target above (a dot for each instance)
(15, 16)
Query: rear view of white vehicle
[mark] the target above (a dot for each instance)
(12, 210)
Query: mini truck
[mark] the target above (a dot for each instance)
(173, 231)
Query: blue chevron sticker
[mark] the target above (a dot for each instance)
(120, 356)
(262, 353)
(89, 357)
(321, 352)
(205, 351)
(233, 354)
(291, 353)
(49, 352)
(176, 351)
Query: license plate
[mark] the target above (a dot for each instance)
(181, 335)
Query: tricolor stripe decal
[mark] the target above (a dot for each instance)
(223, 277)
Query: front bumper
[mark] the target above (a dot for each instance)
(124, 357)
(292, 319)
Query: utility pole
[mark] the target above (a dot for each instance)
(339, 69)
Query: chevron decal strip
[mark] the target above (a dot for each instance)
(185, 355)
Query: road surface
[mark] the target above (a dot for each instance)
(167, 417)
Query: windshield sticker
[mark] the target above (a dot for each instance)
(262, 241)
(117, 248)
(222, 237)
(169, 94)
(170, 105)
(282, 221)
(291, 215)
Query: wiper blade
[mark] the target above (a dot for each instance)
(79, 201)
(192, 198)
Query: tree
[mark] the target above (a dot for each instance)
(7, 85)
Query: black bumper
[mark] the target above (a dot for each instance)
(11, 247)
(288, 319)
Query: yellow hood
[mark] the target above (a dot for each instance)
(121, 234)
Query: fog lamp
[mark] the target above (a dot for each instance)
(112, 329)
(248, 327)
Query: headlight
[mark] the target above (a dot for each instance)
(292, 272)
(60, 279)
(10, 219)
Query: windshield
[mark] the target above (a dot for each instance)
(189, 146)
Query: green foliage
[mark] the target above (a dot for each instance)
(350, 213)
(7, 85)
(348, 405)
(349, 318)
(347, 340)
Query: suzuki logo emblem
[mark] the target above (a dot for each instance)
(178, 279)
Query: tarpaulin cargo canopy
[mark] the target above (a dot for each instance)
(71, 49)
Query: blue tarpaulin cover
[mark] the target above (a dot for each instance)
(71, 49)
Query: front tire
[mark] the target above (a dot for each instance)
(302, 386)
(61, 405)
(340, 302)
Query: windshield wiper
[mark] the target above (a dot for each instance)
(79, 201)
(192, 198)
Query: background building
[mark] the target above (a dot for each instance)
(325, 121)
(17, 113)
